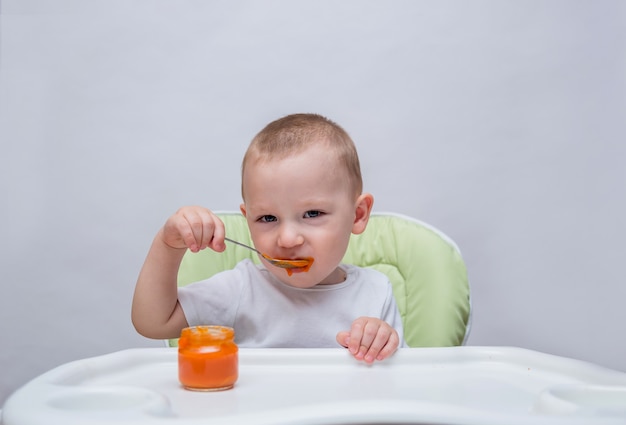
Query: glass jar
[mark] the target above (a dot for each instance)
(207, 358)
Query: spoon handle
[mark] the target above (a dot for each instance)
(241, 244)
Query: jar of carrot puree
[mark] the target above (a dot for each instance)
(207, 358)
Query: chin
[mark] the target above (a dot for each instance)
(297, 279)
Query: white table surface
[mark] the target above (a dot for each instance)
(457, 385)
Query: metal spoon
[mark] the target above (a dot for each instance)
(285, 264)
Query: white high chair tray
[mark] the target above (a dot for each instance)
(458, 385)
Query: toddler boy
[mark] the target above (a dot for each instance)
(302, 198)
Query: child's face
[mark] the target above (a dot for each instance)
(298, 207)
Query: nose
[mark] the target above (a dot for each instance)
(289, 236)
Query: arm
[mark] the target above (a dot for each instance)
(156, 312)
(373, 338)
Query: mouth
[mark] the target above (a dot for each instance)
(297, 266)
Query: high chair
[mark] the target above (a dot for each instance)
(424, 266)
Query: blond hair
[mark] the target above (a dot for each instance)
(294, 133)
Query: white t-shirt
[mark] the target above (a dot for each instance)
(267, 313)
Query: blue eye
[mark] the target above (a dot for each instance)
(312, 214)
(267, 218)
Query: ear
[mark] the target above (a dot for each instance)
(242, 208)
(364, 204)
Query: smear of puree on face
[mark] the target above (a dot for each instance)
(305, 268)
(301, 265)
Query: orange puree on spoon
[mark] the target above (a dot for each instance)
(303, 265)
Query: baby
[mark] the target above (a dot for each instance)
(302, 199)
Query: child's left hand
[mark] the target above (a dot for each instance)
(370, 339)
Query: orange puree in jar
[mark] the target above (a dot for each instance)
(207, 358)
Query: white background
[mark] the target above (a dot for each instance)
(500, 122)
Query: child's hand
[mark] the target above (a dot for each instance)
(370, 339)
(195, 228)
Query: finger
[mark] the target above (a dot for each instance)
(390, 348)
(356, 333)
(343, 338)
(206, 227)
(370, 331)
(218, 232)
(382, 338)
(191, 229)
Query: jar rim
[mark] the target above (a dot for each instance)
(209, 331)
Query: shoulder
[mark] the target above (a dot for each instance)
(248, 266)
(364, 274)
(240, 275)
(367, 278)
